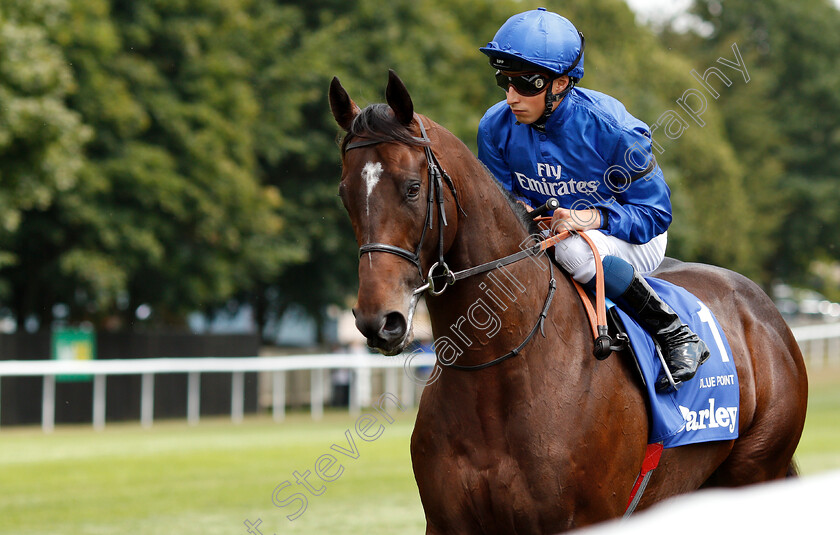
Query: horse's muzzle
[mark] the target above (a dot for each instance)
(384, 331)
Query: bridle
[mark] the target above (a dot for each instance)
(437, 175)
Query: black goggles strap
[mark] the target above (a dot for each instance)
(550, 96)
(578, 58)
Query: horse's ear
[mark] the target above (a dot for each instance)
(343, 108)
(398, 98)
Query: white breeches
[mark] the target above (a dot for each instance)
(575, 255)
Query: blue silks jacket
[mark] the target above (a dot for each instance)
(593, 154)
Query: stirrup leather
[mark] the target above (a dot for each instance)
(605, 345)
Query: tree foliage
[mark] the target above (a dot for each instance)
(40, 135)
(784, 124)
(182, 154)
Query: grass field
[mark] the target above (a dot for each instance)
(210, 479)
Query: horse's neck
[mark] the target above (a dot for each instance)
(491, 229)
(487, 315)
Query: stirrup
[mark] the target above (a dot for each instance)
(665, 369)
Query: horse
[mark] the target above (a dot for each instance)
(522, 430)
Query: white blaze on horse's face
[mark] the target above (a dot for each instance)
(384, 196)
(370, 174)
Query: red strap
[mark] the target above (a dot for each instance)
(652, 455)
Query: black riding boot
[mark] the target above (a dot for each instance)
(683, 350)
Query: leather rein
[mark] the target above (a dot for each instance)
(604, 344)
(436, 176)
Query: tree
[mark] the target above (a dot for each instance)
(791, 129)
(40, 136)
(169, 211)
(297, 149)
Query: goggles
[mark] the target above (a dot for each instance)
(526, 85)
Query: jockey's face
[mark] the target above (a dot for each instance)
(529, 109)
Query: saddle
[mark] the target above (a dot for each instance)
(706, 408)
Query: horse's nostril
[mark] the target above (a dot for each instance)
(384, 332)
(394, 326)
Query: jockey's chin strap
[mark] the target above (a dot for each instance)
(550, 96)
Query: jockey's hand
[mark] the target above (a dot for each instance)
(564, 219)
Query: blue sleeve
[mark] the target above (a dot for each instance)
(640, 208)
(491, 156)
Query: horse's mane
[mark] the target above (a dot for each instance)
(517, 207)
(377, 121)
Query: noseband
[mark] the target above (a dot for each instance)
(437, 175)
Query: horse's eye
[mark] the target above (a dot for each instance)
(413, 190)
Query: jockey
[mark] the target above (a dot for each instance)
(552, 139)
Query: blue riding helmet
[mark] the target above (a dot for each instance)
(537, 38)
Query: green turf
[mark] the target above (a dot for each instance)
(209, 479)
(819, 448)
(204, 480)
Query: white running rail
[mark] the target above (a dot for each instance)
(820, 346)
(194, 367)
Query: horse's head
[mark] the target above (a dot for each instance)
(395, 206)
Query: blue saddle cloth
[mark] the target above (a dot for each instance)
(704, 409)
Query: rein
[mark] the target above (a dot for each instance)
(604, 345)
(437, 175)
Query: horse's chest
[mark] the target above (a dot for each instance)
(497, 492)
(489, 476)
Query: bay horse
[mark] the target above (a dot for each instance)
(547, 438)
